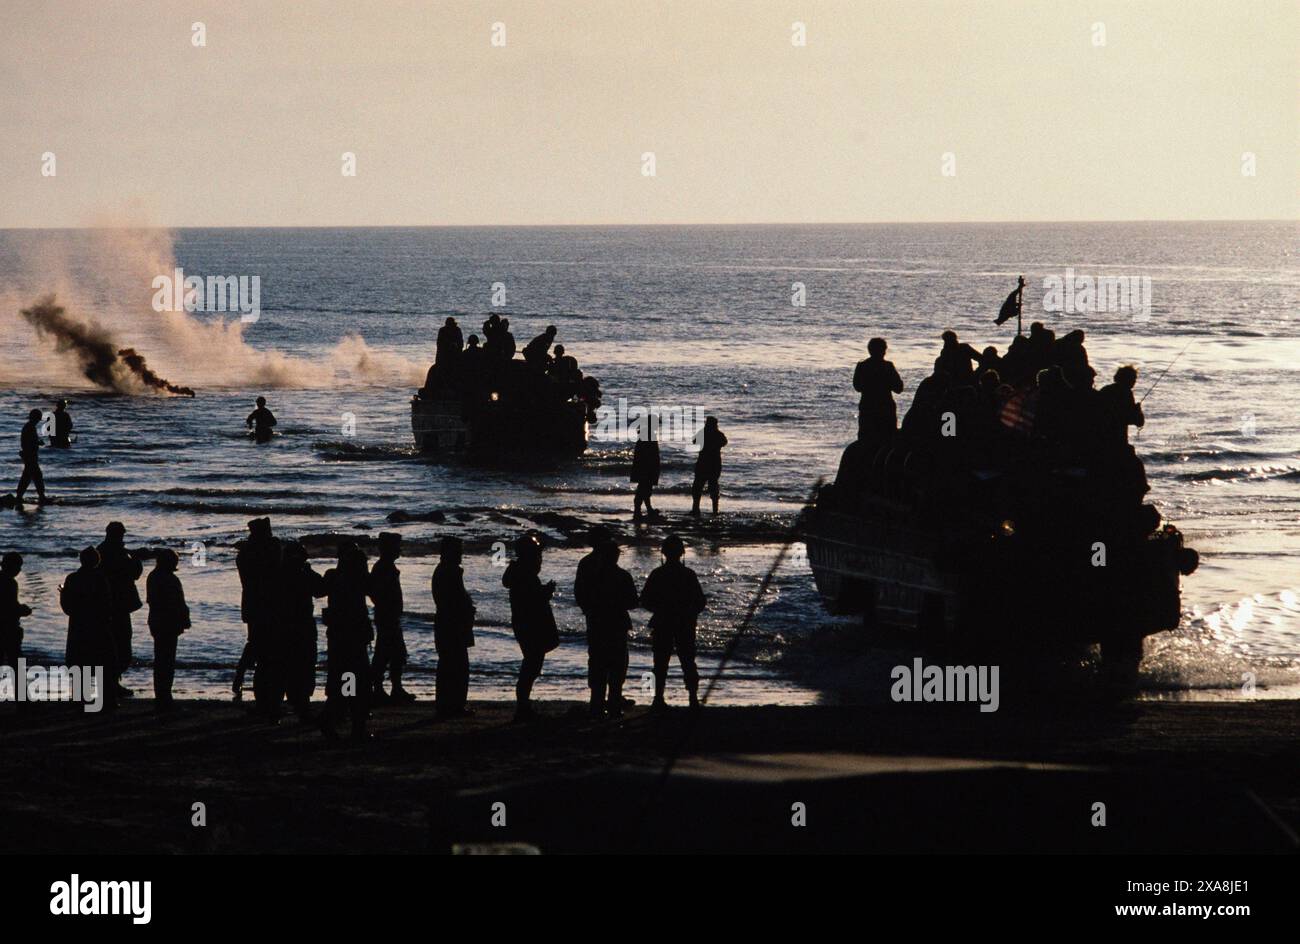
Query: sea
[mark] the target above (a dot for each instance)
(760, 326)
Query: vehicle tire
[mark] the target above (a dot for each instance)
(930, 623)
(869, 617)
(1120, 659)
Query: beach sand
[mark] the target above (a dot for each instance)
(902, 778)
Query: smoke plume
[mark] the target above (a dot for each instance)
(137, 365)
(100, 360)
(109, 271)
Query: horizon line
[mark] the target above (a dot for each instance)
(1030, 222)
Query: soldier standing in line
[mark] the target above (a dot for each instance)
(453, 629)
(347, 640)
(258, 563)
(672, 594)
(390, 646)
(87, 599)
(296, 642)
(530, 618)
(11, 611)
(169, 616)
(122, 568)
(605, 592)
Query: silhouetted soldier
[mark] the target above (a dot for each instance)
(492, 337)
(62, 436)
(672, 594)
(347, 639)
(854, 469)
(1016, 365)
(564, 369)
(989, 359)
(1039, 347)
(877, 380)
(605, 592)
(1069, 353)
(708, 465)
(123, 569)
(537, 351)
(645, 470)
(555, 370)
(589, 391)
(453, 629)
(258, 563)
(169, 616)
(30, 452)
(1118, 409)
(969, 444)
(1052, 418)
(432, 380)
(921, 422)
(530, 618)
(260, 421)
(471, 359)
(991, 401)
(86, 598)
(506, 340)
(955, 359)
(450, 341)
(11, 611)
(390, 646)
(295, 641)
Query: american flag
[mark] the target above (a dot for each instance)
(1018, 412)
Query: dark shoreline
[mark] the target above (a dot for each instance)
(1189, 777)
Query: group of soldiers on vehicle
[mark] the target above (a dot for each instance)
(488, 371)
(982, 409)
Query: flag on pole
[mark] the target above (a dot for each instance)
(1010, 307)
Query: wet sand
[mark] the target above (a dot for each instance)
(921, 778)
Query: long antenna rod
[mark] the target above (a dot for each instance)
(727, 653)
(1020, 305)
(1166, 370)
(1161, 377)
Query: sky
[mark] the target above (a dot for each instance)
(925, 111)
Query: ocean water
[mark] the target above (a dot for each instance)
(694, 317)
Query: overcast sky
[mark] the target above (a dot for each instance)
(1044, 115)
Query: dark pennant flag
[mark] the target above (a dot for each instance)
(1008, 308)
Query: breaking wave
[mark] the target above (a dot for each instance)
(1246, 473)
